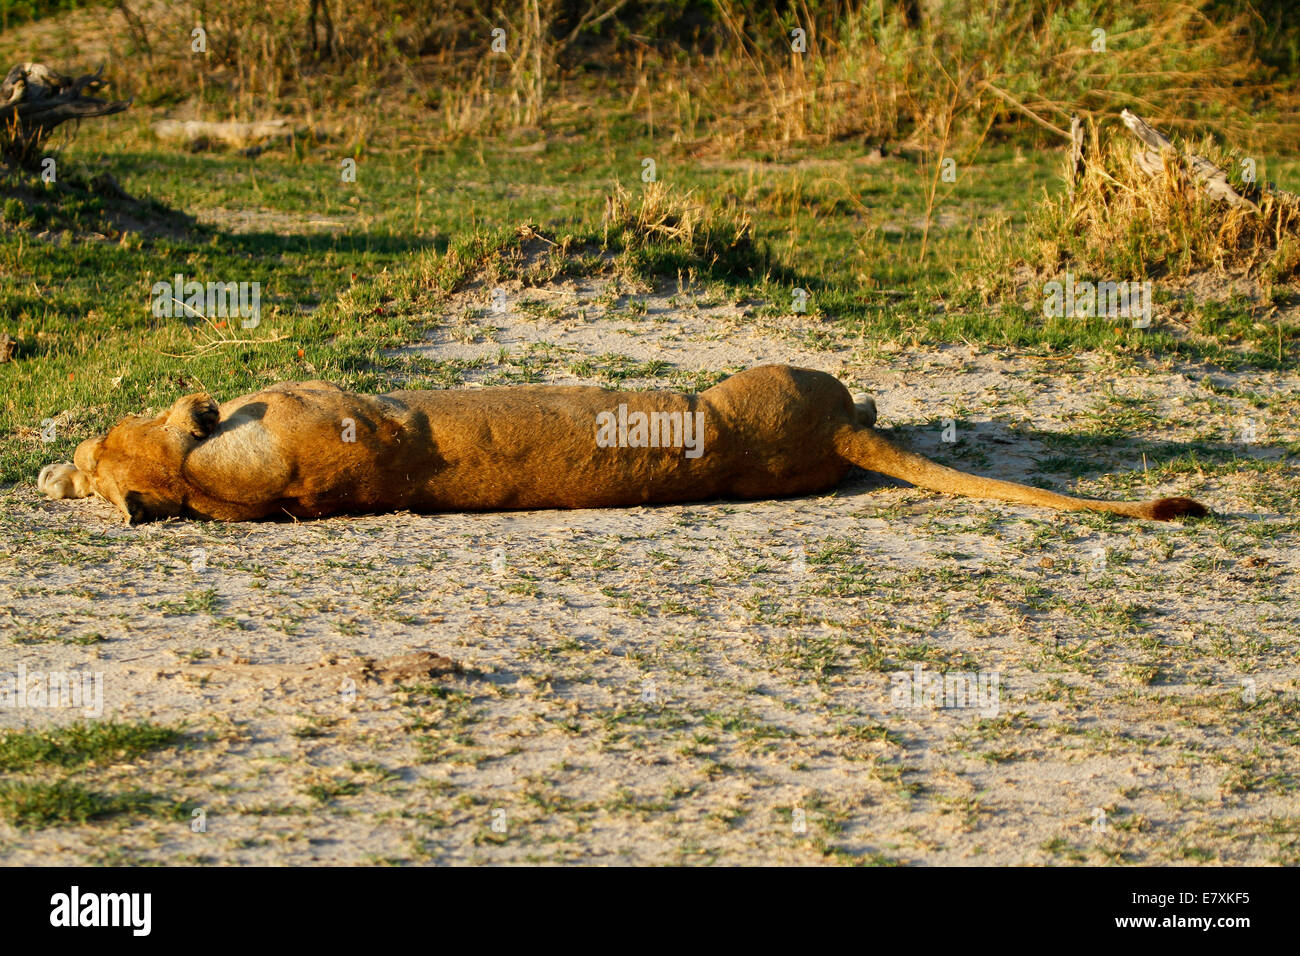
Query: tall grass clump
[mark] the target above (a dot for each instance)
(659, 228)
(1120, 221)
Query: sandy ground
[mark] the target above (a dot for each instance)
(710, 682)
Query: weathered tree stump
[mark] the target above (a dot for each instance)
(1210, 178)
(35, 100)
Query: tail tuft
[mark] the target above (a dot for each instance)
(1168, 509)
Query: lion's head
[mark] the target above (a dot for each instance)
(135, 466)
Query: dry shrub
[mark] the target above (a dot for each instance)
(660, 228)
(660, 213)
(1119, 221)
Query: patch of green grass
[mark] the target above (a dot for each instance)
(36, 804)
(43, 804)
(82, 743)
(195, 602)
(326, 791)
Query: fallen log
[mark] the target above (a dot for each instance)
(232, 133)
(1210, 177)
(35, 100)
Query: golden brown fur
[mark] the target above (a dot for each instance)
(769, 432)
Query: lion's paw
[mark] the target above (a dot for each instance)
(62, 481)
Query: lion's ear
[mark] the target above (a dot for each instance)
(197, 414)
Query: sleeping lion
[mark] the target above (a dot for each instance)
(310, 449)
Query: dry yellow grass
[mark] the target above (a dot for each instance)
(1121, 221)
(816, 72)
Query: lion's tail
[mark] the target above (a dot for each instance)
(871, 450)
